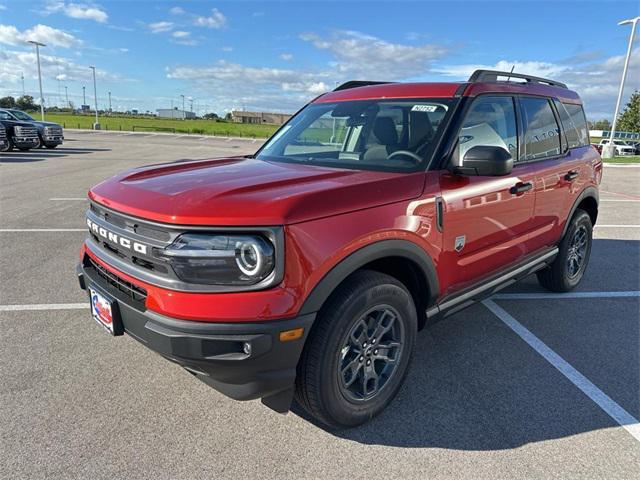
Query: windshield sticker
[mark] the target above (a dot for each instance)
(424, 108)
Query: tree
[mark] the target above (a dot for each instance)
(602, 125)
(629, 119)
(26, 103)
(7, 102)
(211, 116)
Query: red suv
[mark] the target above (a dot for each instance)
(308, 268)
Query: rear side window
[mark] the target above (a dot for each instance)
(491, 121)
(541, 131)
(576, 114)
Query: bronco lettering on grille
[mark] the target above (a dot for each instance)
(117, 239)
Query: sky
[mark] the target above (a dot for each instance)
(276, 56)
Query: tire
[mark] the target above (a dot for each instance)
(365, 298)
(40, 142)
(10, 146)
(51, 147)
(567, 270)
(24, 149)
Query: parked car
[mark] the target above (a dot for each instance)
(4, 141)
(50, 134)
(20, 135)
(622, 147)
(308, 268)
(636, 146)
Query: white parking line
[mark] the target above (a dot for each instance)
(3, 230)
(615, 411)
(544, 296)
(618, 200)
(617, 226)
(43, 306)
(68, 199)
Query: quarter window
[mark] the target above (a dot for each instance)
(491, 121)
(580, 122)
(541, 131)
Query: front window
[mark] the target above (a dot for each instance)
(18, 115)
(392, 135)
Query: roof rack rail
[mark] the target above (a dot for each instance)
(356, 84)
(492, 76)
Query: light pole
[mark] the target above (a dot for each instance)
(84, 96)
(38, 45)
(183, 116)
(609, 150)
(109, 102)
(96, 126)
(22, 78)
(66, 94)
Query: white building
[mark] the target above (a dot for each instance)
(174, 113)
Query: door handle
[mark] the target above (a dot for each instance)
(520, 188)
(571, 175)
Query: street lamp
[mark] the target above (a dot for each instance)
(183, 116)
(66, 94)
(96, 126)
(38, 45)
(608, 150)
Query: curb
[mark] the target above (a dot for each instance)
(166, 134)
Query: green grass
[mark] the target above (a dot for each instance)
(145, 124)
(630, 159)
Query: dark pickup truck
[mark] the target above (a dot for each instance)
(20, 135)
(50, 134)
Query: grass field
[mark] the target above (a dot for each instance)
(630, 159)
(199, 127)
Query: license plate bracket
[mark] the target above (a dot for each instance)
(105, 311)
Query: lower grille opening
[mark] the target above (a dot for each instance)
(118, 287)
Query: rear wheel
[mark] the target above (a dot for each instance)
(567, 270)
(359, 350)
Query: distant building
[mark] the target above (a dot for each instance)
(259, 117)
(619, 135)
(174, 113)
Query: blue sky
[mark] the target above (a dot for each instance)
(278, 55)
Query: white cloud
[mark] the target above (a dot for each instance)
(160, 27)
(226, 49)
(10, 35)
(78, 10)
(366, 57)
(183, 38)
(123, 50)
(286, 57)
(177, 11)
(2, 7)
(180, 34)
(216, 20)
(596, 80)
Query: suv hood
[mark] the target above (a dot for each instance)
(246, 191)
(45, 124)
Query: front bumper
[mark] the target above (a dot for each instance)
(25, 141)
(244, 361)
(52, 139)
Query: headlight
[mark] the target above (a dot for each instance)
(221, 259)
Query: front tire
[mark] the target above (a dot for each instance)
(568, 268)
(359, 351)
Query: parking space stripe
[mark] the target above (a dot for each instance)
(618, 200)
(617, 226)
(4, 230)
(43, 306)
(543, 295)
(606, 403)
(68, 199)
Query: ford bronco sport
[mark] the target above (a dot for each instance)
(308, 268)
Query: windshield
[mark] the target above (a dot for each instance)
(392, 135)
(21, 115)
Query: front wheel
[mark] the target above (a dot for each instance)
(567, 270)
(358, 352)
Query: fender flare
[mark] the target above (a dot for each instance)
(367, 254)
(589, 192)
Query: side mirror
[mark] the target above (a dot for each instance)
(484, 160)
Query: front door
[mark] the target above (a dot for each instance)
(486, 220)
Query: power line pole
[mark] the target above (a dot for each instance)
(96, 126)
(109, 102)
(23, 90)
(609, 150)
(38, 45)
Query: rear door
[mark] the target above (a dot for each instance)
(559, 169)
(486, 219)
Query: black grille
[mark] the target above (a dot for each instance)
(116, 285)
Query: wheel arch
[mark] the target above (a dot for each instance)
(402, 259)
(588, 200)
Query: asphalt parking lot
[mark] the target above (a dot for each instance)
(530, 384)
